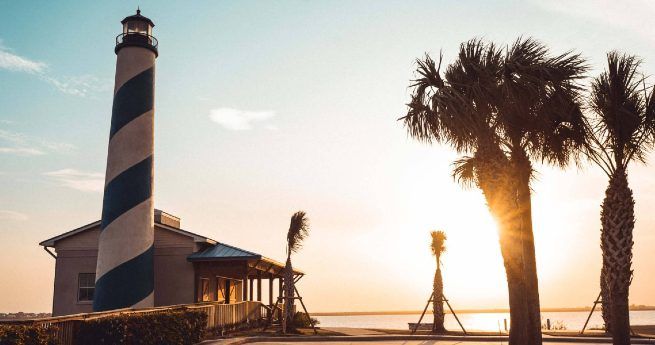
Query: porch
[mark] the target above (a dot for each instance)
(226, 274)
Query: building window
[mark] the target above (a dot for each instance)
(86, 283)
(226, 290)
(204, 289)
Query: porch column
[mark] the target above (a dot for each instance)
(280, 287)
(252, 290)
(270, 290)
(196, 277)
(259, 286)
(245, 288)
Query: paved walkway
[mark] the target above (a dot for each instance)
(380, 340)
(353, 331)
(413, 342)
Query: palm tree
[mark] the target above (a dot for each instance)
(298, 231)
(622, 131)
(540, 120)
(503, 110)
(438, 247)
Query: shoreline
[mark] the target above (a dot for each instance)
(467, 311)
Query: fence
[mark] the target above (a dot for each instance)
(219, 316)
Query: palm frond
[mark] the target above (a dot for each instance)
(624, 111)
(457, 108)
(298, 231)
(438, 244)
(464, 171)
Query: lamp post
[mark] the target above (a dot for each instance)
(125, 272)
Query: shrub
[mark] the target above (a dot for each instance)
(26, 335)
(301, 320)
(557, 325)
(182, 327)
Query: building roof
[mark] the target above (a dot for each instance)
(215, 252)
(196, 238)
(226, 252)
(222, 251)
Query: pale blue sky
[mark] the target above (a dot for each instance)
(263, 108)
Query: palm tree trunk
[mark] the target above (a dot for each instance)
(617, 220)
(524, 172)
(606, 305)
(495, 179)
(511, 251)
(288, 297)
(437, 302)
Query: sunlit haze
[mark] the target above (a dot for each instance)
(266, 108)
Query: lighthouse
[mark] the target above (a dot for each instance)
(124, 271)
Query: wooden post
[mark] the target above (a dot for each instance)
(598, 300)
(418, 324)
(280, 287)
(259, 286)
(309, 317)
(227, 291)
(252, 290)
(455, 315)
(195, 282)
(245, 288)
(270, 290)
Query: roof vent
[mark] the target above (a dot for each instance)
(162, 217)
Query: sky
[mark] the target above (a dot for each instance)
(266, 108)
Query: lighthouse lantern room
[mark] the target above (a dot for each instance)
(137, 31)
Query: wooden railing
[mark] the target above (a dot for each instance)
(219, 316)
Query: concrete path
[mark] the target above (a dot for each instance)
(401, 342)
(356, 340)
(353, 331)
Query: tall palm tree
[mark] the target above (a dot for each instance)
(438, 247)
(298, 231)
(622, 129)
(503, 109)
(540, 120)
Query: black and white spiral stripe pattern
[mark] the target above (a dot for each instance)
(125, 273)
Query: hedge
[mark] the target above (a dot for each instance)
(25, 335)
(184, 327)
(301, 320)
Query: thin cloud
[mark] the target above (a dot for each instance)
(78, 180)
(13, 62)
(12, 215)
(21, 151)
(24, 145)
(239, 120)
(80, 86)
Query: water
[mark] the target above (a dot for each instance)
(477, 321)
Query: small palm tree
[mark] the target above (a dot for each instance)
(622, 132)
(438, 248)
(298, 231)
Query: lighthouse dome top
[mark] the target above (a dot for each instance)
(137, 18)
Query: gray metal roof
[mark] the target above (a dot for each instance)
(222, 251)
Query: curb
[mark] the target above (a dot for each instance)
(420, 337)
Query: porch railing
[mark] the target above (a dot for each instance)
(219, 316)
